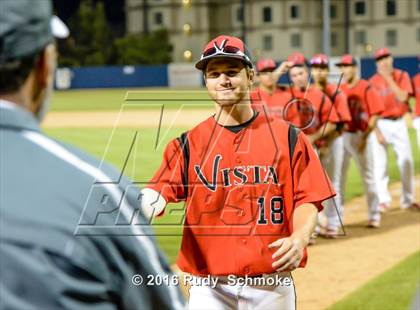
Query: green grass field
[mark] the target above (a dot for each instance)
(113, 99)
(392, 290)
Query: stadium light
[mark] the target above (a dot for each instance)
(368, 48)
(188, 55)
(187, 28)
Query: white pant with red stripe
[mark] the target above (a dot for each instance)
(395, 133)
(227, 295)
(364, 162)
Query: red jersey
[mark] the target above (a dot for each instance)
(416, 86)
(340, 103)
(241, 190)
(363, 101)
(310, 110)
(274, 103)
(393, 107)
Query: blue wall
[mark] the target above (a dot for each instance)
(409, 64)
(128, 76)
(157, 76)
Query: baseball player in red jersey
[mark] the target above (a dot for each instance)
(416, 120)
(309, 108)
(268, 95)
(359, 134)
(333, 155)
(394, 87)
(247, 181)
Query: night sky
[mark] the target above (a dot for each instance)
(114, 10)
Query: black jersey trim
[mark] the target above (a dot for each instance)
(292, 139)
(238, 128)
(183, 141)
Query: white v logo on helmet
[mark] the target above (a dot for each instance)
(222, 46)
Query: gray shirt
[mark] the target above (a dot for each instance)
(47, 191)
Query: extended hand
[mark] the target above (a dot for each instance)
(289, 253)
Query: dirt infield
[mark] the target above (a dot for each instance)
(136, 118)
(129, 118)
(336, 267)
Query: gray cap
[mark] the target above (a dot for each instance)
(24, 28)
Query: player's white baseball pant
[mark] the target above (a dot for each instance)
(364, 162)
(395, 133)
(416, 125)
(332, 162)
(229, 295)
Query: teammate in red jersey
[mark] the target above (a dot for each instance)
(268, 96)
(365, 106)
(394, 88)
(320, 72)
(310, 109)
(252, 187)
(333, 154)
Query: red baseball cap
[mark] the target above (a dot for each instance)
(347, 60)
(297, 59)
(381, 53)
(224, 47)
(266, 64)
(319, 60)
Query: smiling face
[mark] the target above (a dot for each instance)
(227, 80)
(299, 76)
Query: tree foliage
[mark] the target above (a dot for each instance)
(144, 49)
(92, 43)
(90, 39)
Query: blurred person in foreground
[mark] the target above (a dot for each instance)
(394, 88)
(44, 189)
(359, 135)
